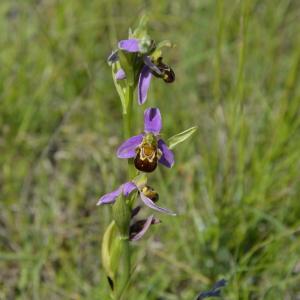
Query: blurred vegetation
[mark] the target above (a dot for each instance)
(235, 185)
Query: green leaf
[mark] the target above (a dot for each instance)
(115, 254)
(141, 29)
(108, 238)
(120, 85)
(158, 51)
(125, 60)
(181, 137)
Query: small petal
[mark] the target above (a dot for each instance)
(110, 197)
(145, 226)
(127, 149)
(113, 57)
(152, 205)
(152, 120)
(130, 45)
(140, 227)
(128, 187)
(144, 84)
(151, 65)
(120, 74)
(167, 158)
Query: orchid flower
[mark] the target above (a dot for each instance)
(148, 148)
(150, 65)
(126, 189)
(140, 227)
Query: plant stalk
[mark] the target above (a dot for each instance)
(125, 259)
(127, 114)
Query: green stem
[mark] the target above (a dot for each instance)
(127, 125)
(126, 268)
(127, 115)
(124, 275)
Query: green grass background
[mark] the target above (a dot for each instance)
(235, 185)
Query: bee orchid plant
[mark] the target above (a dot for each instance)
(135, 61)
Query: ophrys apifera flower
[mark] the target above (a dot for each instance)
(149, 62)
(148, 148)
(147, 195)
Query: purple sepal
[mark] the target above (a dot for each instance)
(127, 149)
(110, 197)
(120, 74)
(167, 158)
(130, 45)
(128, 187)
(144, 84)
(145, 226)
(152, 205)
(152, 120)
(140, 227)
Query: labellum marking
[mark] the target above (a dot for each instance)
(147, 154)
(146, 158)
